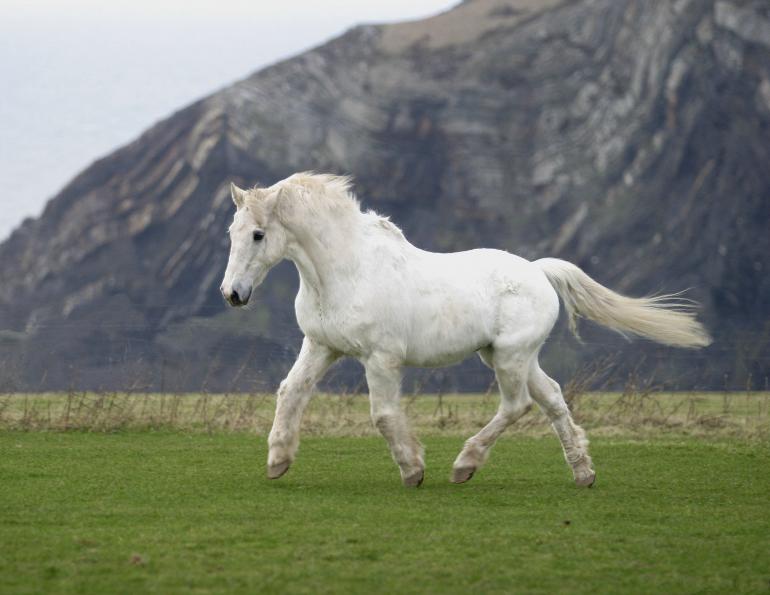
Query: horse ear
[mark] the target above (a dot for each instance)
(239, 196)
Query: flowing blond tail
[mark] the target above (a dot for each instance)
(666, 319)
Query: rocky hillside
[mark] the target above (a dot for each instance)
(627, 136)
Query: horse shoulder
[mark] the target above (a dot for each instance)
(308, 312)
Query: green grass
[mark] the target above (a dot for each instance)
(174, 512)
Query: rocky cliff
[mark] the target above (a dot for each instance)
(627, 136)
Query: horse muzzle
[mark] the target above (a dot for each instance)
(237, 295)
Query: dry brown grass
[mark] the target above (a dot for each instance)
(638, 410)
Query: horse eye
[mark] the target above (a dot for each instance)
(258, 235)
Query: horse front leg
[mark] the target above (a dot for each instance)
(293, 396)
(384, 380)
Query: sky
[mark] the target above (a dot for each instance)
(81, 78)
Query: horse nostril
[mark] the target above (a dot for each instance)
(234, 297)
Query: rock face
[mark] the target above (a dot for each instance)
(629, 137)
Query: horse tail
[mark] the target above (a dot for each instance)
(666, 319)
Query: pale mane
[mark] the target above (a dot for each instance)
(318, 194)
(323, 192)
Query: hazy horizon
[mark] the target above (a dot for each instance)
(82, 79)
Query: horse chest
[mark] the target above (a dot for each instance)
(329, 326)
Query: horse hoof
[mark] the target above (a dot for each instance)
(586, 481)
(277, 470)
(415, 479)
(462, 474)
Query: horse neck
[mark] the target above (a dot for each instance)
(325, 251)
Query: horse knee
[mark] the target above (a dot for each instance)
(286, 390)
(385, 422)
(381, 422)
(291, 385)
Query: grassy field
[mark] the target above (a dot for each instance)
(182, 510)
(637, 413)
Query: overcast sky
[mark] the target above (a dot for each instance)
(341, 11)
(82, 77)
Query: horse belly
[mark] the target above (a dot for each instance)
(448, 333)
(433, 358)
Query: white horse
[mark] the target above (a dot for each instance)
(367, 293)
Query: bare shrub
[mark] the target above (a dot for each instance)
(641, 408)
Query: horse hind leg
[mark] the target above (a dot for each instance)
(547, 394)
(514, 402)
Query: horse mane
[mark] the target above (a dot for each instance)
(320, 195)
(323, 192)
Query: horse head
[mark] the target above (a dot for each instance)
(257, 242)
